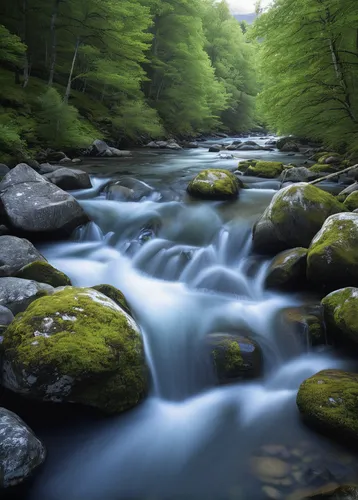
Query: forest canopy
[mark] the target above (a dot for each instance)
(75, 70)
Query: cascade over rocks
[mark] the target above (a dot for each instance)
(340, 310)
(332, 260)
(16, 253)
(296, 213)
(33, 205)
(214, 184)
(287, 270)
(328, 401)
(21, 452)
(76, 346)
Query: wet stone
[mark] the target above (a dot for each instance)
(265, 467)
(271, 492)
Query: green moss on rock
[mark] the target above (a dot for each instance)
(214, 184)
(265, 169)
(332, 260)
(340, 309)
(43, 272)
(351, 202)
(296, 213)
(322, 159)
(76, 345)
(287, 270)
(114, 294)
(329, 401)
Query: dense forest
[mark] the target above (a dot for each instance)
(75, 70)
(309, 69)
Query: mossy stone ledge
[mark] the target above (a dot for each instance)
(328, 401)
(265, 169)
(78, 346)
(43, 272)
(340, 311)
(332, 260)
(214, 184)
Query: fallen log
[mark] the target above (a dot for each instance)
(335, 174)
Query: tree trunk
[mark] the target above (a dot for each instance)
(26, 70)
(53, 42)
(24, 37)
(335, 174)
(69, 83)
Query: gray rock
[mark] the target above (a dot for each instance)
(76, 161)
(119, 153)
(6, 316)
(16, 253)
(4, 169)
(65, 160)
(34, 205)
(139, 189)
(46, 168)
(100, 148)
(56, 156)
(173, 145)
(21, 452)
(69, 178)
(215, 148)
(246, 147)
(153, 145)
(17, 294)
(191, 145)
(290, 147)
(350, 189)
(298, 174)
(120, 193)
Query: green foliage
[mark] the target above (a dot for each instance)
(11, 47)
(308, 69)
(59, 124)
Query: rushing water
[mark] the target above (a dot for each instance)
(187, 270)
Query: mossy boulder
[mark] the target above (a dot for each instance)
(320, 154)
(351, 202)
(44, 273)
(340, 310)
(76, 346)
(287, 142)
(329, 402)
(266, 169)
(330, 158)
(332, 260)
(288, 269)
(296, 213)
(234, 357)
(214, 184)
(114, 294)
(317, 168)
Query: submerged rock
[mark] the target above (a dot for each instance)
(332, 260)
(296, 213)
(36, 206)
(288, 269)
(214, 184)
(43, 272)
(328, 401)
(16, 253)
(340, 309)
(16, 294)
(21, 452)
(266, 169)
(76, 346)
(234, 357)
(128, 189)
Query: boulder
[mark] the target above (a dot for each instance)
(100, 148)
(6, 316)
(247, 147)
(56, 156)
(16, 293)
(119, 152)
(16, 253)
(280, 143)
(128, 189)
(191, 145)
(234, 357)
(298, 174)
(69, 178)
(173, 145)
(266, 169)
(46, 168)
(35, 206)
(332, 260)
(287, 270)
(296, 213)
(350, 189)
(343, 492)
(114, 294)
(307, 324)
(328, 401)
(351, 202)
(21, 452)
(330, 158)
(43, 272)
(214, 184)
(340, 311)
(324, 169)
(76, 346)
(216, 148)
(290, 147)
(65, 160)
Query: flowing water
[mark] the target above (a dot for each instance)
(187, 270)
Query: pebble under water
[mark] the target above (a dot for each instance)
(187, 270)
